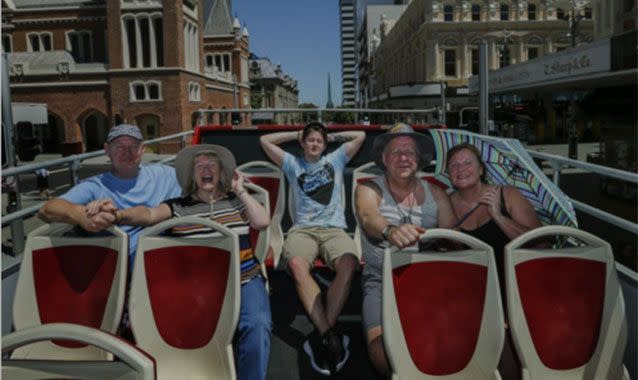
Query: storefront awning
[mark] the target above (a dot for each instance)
(35, 113)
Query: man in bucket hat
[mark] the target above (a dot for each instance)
(395, 209)
(126, 184)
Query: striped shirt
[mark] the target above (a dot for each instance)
(230, 212)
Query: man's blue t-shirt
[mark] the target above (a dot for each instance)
(153, 185)
(317, 188)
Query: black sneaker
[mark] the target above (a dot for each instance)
(318, 352)
(337, 346)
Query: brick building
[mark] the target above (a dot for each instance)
(272, 88)
(150, 62)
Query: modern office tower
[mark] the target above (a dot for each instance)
(348, 51)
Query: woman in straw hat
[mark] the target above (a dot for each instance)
(213, 188)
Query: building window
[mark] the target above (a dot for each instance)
(449, 58)
(7, 43)
(39, 41)
(143, 40)
(560, 13)
(476, 12)
(560, 48)
(219, 62)
(79, 43)
(505, 12)
(532, 52)
(141, 91)
(587, 13)
(503, 55)
(191, 46)
(448, 13)
(194, 92)
(475, 61)
(531, 12)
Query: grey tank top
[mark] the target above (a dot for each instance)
(424, 216)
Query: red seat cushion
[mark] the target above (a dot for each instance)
(271, 185)
(72, 284)
(563, 301)
(186, 286)
(440, 306)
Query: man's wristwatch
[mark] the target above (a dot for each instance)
(386, 231)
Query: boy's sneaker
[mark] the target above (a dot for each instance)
(318, 352)
(337, 346)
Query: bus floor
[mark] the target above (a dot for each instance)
(288, 361)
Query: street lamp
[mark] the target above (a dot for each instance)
(575, 13)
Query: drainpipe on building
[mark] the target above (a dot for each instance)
(483, 89)
(443, 109)
(14, 203)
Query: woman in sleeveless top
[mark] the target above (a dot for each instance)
(491, 213)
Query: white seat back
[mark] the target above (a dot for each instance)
(133, 363)
(442, 314)
(566, 309)
(184, 300)
(67, 278)
(272, 179)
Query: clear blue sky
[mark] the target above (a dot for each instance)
(302, 36)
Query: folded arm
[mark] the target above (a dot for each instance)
(142, 215)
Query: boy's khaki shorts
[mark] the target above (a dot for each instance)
(310, 242)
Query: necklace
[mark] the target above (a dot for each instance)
(211, 202)
(405, 218)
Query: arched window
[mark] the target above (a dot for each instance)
(194, 92)
(80, 44)
(42, 41)
(531, 11)
(448, 13)
(476, 12)
(144, 91)
(142, 40)
(505, 12)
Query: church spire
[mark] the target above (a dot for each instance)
(329, 103)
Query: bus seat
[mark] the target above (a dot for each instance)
(442, 314)
(133, 363)
(260, 240)
(184, 300)
(69, 278)
(272, 179)
(567, 313)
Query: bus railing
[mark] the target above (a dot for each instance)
(557, 163)
(16, 218)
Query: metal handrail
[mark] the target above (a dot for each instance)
(29, 168)
(594, 168)
(557, 163)
(315, 110)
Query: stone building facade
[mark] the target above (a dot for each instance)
(271, 88)
(150, 62)
(437, 41)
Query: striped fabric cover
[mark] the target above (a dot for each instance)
(508, 163)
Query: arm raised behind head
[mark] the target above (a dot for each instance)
(270, 143)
